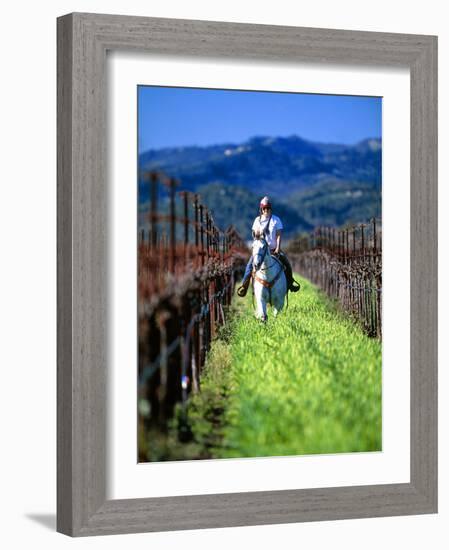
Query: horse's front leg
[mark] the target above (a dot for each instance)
(264, 315)
(261, 304)
(279, 293)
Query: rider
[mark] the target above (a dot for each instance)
(271, 226)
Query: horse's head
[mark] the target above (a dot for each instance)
(260, 251)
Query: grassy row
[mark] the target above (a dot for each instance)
(307, 382)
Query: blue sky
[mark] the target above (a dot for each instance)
(177, 117)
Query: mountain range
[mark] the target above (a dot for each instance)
(310, 183)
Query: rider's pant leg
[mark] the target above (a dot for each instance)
(288, 268)
(248, 269)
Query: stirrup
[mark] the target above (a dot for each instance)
(294, 286)
(242, 290)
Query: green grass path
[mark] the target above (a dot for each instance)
(309, 381)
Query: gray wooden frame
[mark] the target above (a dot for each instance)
(83, 40)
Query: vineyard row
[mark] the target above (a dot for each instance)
(347, 265)
(187, 270)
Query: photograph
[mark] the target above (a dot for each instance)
(259, 274)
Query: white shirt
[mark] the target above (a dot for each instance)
(260, 223)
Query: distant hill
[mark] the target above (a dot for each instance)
(238, 206)
(310, 183)
(335, 203)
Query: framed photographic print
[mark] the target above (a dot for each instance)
(246, 274)
(213, 384)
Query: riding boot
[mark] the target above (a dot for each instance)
(292, 285)
(242, 290)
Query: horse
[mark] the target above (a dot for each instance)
(269, 280)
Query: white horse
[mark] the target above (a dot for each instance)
(270, 283)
